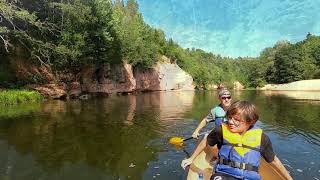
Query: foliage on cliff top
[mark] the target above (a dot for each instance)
(71, 34)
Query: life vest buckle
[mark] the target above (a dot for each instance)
(239, 165)
(242, 166)
(239, 145)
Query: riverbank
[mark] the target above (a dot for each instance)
(304, 85)
(12, 97)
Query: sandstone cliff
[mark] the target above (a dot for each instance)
(121, 78)
(163, 77)
(125, 78)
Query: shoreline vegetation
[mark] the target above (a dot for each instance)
(41, 43)
(14, 97)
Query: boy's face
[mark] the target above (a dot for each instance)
(237, 125)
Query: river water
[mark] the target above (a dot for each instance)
(126, 137)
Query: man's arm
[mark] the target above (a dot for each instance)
(210, 117)
(279, 166)
(202, 124)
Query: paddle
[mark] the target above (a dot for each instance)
(178, 141)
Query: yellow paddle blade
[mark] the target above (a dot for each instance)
(176, 141)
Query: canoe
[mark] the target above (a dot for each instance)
(201, 164)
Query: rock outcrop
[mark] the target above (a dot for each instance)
(108, 79)
(163, 77)
(74, 90)
(238, 86)
(54, 91)
(123, 78)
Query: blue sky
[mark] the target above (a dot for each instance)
(233, 27)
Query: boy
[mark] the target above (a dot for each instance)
(241, 145)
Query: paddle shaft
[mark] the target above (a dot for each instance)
(199, 135)
(188, 138)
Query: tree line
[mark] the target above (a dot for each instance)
(70, 34)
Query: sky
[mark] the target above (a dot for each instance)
(233, 27)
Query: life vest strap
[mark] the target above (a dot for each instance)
(242, 145)
(239, 165)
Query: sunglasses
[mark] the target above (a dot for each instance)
(224, 98)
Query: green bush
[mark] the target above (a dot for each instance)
(12, 97)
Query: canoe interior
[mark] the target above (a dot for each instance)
(201, 164)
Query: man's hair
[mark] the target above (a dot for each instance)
(245, 109)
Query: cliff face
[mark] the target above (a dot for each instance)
(108, 79)
(163, 77)
(121, 78)
(124, 78)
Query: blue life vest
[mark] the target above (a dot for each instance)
(239, 155)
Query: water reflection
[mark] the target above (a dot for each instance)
(300, 95)
(126, 136)
(18, 110)
(113, 137)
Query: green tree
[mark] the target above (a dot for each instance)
(288, 66)
(139, 42)
(21, 28)
(132, 8)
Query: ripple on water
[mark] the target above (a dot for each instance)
(300, 170)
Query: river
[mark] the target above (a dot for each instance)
(126, 136)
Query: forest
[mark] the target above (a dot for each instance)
(70, 34)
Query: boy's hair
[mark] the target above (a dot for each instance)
(245, 109)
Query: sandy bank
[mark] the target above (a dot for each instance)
(304, 85)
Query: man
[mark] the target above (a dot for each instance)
(218, 113)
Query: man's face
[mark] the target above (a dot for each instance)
(225, 100)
